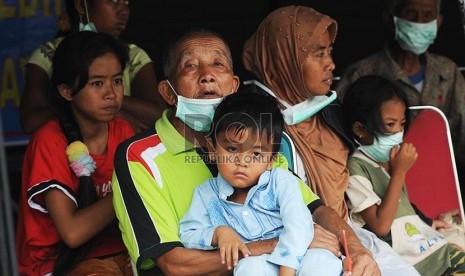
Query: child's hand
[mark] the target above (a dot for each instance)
(230, 244)
(286, 271)
(402, 157)
(439, 223)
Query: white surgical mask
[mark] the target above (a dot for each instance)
(382, 145)
(89, 26)
(196, 113)
(415, 37)
(294, 114)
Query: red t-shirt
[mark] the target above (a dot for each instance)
(46, 166)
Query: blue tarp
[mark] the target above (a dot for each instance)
(24, 25)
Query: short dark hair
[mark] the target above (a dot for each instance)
(170, 57)
(364, 98)
(248, 109)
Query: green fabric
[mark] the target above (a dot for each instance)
(380, 182)
(433, 265)
(436, 264)
(457, 262)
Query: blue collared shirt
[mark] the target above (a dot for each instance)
(273, 208)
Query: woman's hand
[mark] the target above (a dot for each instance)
(439, 223)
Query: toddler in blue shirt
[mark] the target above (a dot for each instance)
(250, 200)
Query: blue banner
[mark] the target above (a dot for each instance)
(24, 25)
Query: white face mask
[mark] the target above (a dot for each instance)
(87, 27)
(382, 145)
(294, 114)
(415, 37)
(196, 113)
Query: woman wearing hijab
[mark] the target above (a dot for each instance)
(290, 54)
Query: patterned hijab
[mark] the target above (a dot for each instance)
(275, 54)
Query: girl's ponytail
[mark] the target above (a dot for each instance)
(83, 166)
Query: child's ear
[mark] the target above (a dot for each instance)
(359, 130)
(211, 150)
(65, 92)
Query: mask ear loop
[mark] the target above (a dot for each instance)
(266, 89)
(174, 91)
(82, 26)
(87, 11)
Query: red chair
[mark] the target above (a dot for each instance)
(432, 182)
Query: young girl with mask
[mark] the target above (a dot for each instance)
(142, 105)
(66, 211)
(426, 77)
(377, 197)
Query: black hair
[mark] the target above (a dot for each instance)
(70, 67)
(248, 109)
(170, 54)
(73, 15)
(77, 51)
(363, 101)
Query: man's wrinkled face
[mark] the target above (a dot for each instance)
(203, 70)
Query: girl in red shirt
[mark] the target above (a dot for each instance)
(66, 211)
